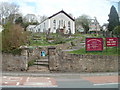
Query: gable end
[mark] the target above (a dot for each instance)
(62, 12)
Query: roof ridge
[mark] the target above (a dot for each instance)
(62, 11)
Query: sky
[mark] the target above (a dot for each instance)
(93, 8)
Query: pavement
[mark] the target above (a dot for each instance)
(60, 80)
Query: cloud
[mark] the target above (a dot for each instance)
(98, 8)
(114, 0)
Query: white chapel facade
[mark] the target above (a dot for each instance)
(59, 21)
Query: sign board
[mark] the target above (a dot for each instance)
(94, 44)
(111, 42)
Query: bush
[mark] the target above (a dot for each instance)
(30, 63)
(72, 43)
(116, 31)
(13, 36)
(59, 40)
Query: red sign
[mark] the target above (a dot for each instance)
(94, 44)
(111, 42)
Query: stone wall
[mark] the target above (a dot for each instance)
(74, 44)
(63, 62)
(60, 61)
(12, 62)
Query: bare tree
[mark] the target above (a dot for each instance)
(30, 18)
(70, 14)
(8, 11)
(42, 18)
(83, 21)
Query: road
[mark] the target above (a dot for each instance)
(60, 80)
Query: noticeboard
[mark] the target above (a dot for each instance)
(94, 44)
(112, 42)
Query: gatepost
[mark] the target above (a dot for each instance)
(24, 53)
(52, 58)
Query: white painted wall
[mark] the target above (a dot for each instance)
(31, 28)
(43, 26)
(61, 17)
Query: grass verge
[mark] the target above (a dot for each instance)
(111, 51)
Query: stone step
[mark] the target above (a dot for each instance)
(40, 63)
(37, 68)
(42, 60)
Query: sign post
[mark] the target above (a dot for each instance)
(94, 44)
(111, 42)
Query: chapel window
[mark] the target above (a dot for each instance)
(54, 24)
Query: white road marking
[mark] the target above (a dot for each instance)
(49, 81)
(27, 79)
(34, 83)
(48, 78)
(4, 77)
(18, 83)
(21, 78)
(105, 84)
(6, 82)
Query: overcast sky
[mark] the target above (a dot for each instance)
(93, 8)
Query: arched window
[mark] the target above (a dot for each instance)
(59, 23)
(54, 24)
(44, 27)
(62, 23)
(39, 30)
(54, 21)
(68, 25)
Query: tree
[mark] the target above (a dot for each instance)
(83, 21)
(31, 18)
(13, 36)
(42, 18)
(116, 31)
(19, 20)
(8, 12)
(113, 19)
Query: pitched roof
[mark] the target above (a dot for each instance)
(62, 12)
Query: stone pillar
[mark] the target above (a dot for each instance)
(24, 54)
(52, 58)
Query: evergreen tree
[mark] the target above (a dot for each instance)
(113, 19)
(19, 20)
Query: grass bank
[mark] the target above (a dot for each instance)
(110, 51)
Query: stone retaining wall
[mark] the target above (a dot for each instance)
(14, 62)
(64, 62)
(60, 61)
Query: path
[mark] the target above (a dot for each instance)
(40, 65)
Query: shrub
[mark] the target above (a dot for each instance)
(116, 31)
(30, 63)
(13, 36)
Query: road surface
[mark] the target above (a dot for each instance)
(60, 80)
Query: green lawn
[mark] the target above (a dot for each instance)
(110, 51)
(40, 40)
(40, 43)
